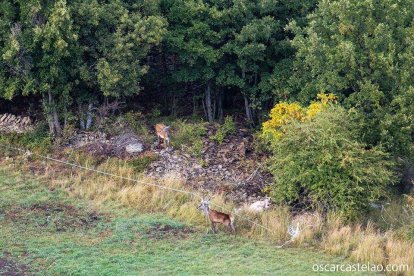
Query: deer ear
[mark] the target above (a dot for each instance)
(167, 128)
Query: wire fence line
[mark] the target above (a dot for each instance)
(29, 153)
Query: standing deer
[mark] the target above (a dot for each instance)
(216, 216)
(163, 132)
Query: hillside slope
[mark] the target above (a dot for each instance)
(44, 232)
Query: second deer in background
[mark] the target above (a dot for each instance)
(163, 132)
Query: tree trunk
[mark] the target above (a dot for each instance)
(214, 107)
(210, 115)
(194, 103)
(50, 123)
(220, 106)
(89, 116)
(174, 106)
(58, 128)
(46, 109)
(65, 116)
(204, 108)
(53, 118)
(81, 119)
(248, 109)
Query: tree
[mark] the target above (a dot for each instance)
(194, 38)
(115, 38)
(362, 52)
(259, 48)
(84, 50)
(322, 163)
(226, 46)
(40, 57)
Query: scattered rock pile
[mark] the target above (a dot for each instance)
(82, 138)
(10, 123)
(98, 145)
(231, 167)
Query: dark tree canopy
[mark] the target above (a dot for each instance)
(241, 55)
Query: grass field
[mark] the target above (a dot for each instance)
(43, 231)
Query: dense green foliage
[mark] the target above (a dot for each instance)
(362, 51)
(246, 54)
(322, 162)
(77, 50)
(73, 53)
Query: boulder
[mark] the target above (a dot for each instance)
(134, 148)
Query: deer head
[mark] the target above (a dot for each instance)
(204, 205)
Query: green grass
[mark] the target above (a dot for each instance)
(52, 234)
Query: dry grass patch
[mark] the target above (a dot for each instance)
(340, 240)
(400, 253)
(310, 226)
(370, 247)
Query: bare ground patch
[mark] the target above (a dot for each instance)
(8, 267)
(163, 231)
(58, 216)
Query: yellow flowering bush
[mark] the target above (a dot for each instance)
(280, 115)
(283, 113)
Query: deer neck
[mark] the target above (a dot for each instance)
(206, 210)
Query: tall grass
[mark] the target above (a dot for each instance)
(359, 243)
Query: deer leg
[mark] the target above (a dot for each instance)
(213, 227)
(232, 228)
(229, 226)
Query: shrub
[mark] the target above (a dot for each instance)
(227, 128)
(321, 162)
(188, 136)
(196, 148)
(284, 113)
(141, 163)
(38, 139)
(138, 123)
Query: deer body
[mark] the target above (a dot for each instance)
(217, 217)
(260, 206)
(163, 132)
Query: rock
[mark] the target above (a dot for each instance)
(10, 123)
(242, 149)
(197, 167)
(134, 148)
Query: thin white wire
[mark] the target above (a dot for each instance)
(130, 179)
(101, 172)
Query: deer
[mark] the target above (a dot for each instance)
(260, 206)
(163, 132)
(256, 207)
(216, 216)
